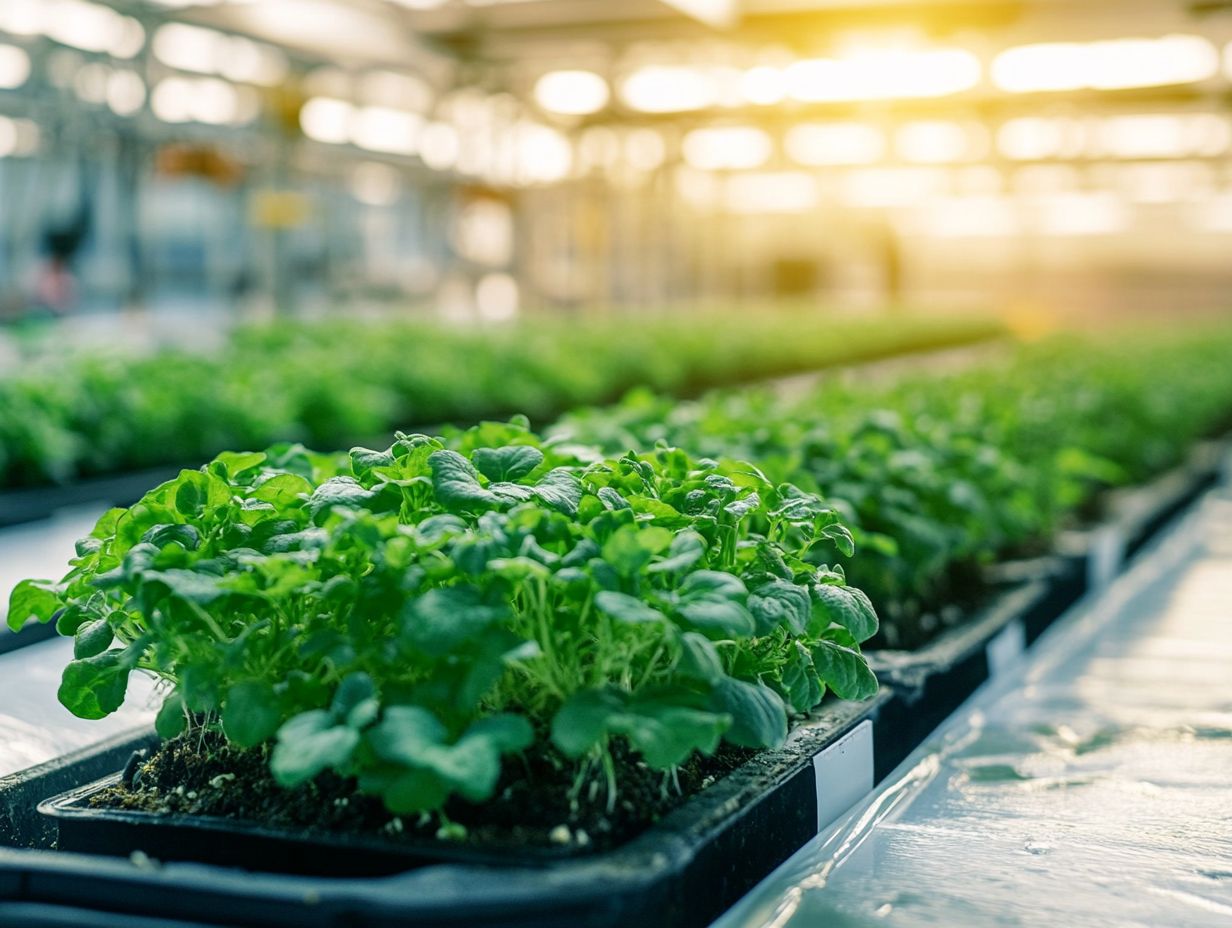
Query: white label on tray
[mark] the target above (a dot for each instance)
(844, 773)
(1107, 555)
(1006, 649)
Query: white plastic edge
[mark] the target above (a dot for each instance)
(844, 773)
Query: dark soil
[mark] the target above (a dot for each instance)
(200, 774)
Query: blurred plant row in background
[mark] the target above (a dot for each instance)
(335, 383)
(940, 473)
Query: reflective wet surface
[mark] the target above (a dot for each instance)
(34, 727)
(41, 549)
(1090, 787)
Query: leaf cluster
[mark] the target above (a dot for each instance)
(939, 474)
(65, 415)
(412, 615)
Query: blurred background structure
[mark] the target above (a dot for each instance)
(486, 157)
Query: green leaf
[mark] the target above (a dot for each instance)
(412, 736)
(408, 791)
(33, 601)
(798, 680)
(668, 724)
(284, 491)
(197, 492)
(506, 732)
(518, 569)
(250, 713)
(190, 497)
(71, 618)
(85, 547)
(626, 608)
(92, 638)
(844, 670)
(355, 701)
(661, 513)
(94, 687)
(712, 601)
(346, 492)
(456, 483)
(105, 527)
(845, 606)
(719, 618)
(171, 719)
(435, 530)
(612, 499)
(471, 767)
(310, 743)
(511, 492)
(560, 490)
(664, 730)
(364, 459)
(713, 582)
(759, 718)
(509, 463)
(406, 734)
(631, 547)
(699, 658)
(441, 620)
(667, 735)
(798, 506)
(162, 535)
(233, 463)
(199, 685)
(188, 584)
(841, 536)
(582, 721)
(779, 603)
(744, 506)
(686, 549)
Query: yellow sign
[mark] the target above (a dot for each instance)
(279, 209)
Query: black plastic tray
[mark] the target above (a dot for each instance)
(683, 871)
(251, 846)
(35, 503)
(933, 681)
(930, 683)
(1136, 514)
(39, 915)
(31, 634)
(20, 793)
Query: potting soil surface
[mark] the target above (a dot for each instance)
(1090, 785)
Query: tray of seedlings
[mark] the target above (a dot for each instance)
(523, 678)
(983, 501)
(1128, 517)
(1026, 596)
(491, 679)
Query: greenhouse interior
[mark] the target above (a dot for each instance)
(564, 463)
